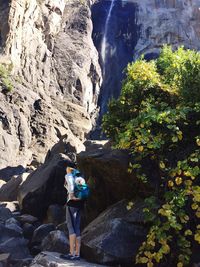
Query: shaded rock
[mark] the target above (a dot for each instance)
(12, 206)
(8, 172)
(122, 34)
(108, 178)
(14, 225)
(4, 260)
(44, 187)
(8, 233)
(55, 214)
(115, 235)
(5, 214)
(9, 191)
(17, 247)
(22, 262)
(35, 250)
(41, 232)
(28, 230)
(66, 145)
(16, 214)
(12, 221)
(27, 218)
(55, 241)
(63, 227)
(48, 258)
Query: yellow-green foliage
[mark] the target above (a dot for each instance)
(5, 78)
(157, 117)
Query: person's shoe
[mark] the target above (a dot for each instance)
(67, 257)
(77, 258)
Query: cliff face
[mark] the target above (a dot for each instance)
(48, 45)
(140, 27)
(174, 22)
(55, 65)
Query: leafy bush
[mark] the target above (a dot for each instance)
(5, 77)
(157, 117)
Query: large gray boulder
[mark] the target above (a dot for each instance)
(7, 233)
(41, 232)
(47, 258)
(44, 187)
(56, 241)
(9, 191)
(16, 247)
(108, 178)
(115, 235)
(12, 241)
(5, 214)
(56, 214)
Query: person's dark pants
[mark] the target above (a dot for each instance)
(73, 217)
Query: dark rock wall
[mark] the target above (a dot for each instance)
(140, 27)
(122, 38)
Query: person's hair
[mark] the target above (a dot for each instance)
(69, 169)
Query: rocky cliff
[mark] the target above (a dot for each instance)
(140, 27)
(47, 46)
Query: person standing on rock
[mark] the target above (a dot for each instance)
(73, 217)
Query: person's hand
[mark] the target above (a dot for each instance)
(75, 198)
(72, 197)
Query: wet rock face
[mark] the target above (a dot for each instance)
(140, 27)
(122, 36)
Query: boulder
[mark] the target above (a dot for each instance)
(108, 178)
(28, 230)
(27, 218)
(16, 246)
(53, 259)
(8, 172)
(41, 232)
(55, 214)
(68, 146)
(12, 221)
(63, 227)
(13, 224)
(44, 187)
(9, 191)
(115, 235)
(55, 241)
(5, 214)
(8, 233)
(4, 260)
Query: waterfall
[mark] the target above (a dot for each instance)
(104, 40)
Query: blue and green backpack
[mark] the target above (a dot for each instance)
(81, 191)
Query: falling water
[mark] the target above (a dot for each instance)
(104, 40)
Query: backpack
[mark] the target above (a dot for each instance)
(81, 191)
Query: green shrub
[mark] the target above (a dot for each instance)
(157, 117)
(5, 77)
